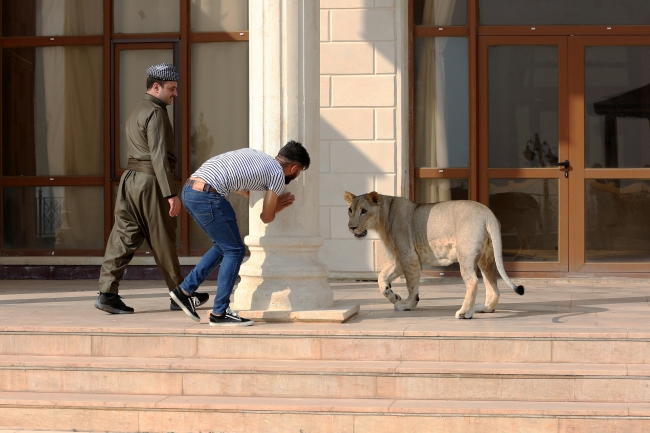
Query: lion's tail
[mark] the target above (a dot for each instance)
(494, 230)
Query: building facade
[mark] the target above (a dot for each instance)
(538, 109)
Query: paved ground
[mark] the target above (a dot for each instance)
(606, 307)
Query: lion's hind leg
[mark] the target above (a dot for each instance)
(488, 267)
(390, 273)
(468, 272)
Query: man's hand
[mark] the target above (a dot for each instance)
(284, 200)
(174, 206)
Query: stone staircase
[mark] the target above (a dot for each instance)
(303, 381)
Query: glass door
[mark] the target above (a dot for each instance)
(523, 147)
(609, 97)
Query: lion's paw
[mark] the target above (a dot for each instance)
(465, 315)
(485, 309)
(404, 305)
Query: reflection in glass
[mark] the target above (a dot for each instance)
(563, 12)
(441, 102)
(219, 15)
(528, 211)
(53, 218)
(52, 111)
(617, 107)
(52, 17)
(523, 119)
(219, 121)
(435, 190)
(440, 12)
(146, 16)
(133, 79)
(616, 220)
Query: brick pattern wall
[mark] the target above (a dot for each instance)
(360, 139)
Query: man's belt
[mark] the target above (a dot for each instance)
(199, 185)
(146, 167)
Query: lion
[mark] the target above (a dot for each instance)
(439, 234)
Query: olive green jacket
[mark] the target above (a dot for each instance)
(150, 137)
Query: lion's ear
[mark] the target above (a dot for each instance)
(349, 197)
(374, 198)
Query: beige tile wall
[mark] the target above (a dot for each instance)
(363, 68)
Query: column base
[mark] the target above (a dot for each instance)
(334, 314)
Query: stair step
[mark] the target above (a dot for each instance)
(327, 379)
(375, 346)
(163, 413)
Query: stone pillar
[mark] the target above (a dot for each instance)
(284, 273)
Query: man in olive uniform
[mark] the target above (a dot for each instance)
(146, 204)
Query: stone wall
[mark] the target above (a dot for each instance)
(364, 129)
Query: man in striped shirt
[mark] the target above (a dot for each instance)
(204, 197)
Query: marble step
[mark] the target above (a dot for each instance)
(179, 414)
(328, 379)
(540, 347)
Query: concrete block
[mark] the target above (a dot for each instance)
(325, 232)
(384, 3)
(325, 92)
(363, 91)
(348, 255)
(363, 25)
(346, 58)
(324, 157)
(363, 157)
(385, 184)
(385, 60)
(343, 4)
(385, 123)
(332, 187)
(346, 124)
(324, 25)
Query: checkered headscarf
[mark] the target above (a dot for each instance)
(163, 71)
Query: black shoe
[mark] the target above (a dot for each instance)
(202, 297)
(112, 303)
(229, 318)
(186, 303)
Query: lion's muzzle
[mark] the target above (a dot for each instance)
(360, 235)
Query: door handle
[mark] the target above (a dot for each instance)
(564, 164)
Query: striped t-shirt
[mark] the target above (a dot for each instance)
(243, 169)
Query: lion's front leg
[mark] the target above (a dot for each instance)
(390, 273)
(411, 269)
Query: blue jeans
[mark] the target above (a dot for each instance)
(214, 214)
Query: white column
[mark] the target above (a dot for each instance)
(284, 271)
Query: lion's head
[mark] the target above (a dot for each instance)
(363, 212)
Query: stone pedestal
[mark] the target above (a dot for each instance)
(284, 279)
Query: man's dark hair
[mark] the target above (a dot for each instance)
(295, 153)
(151, 81)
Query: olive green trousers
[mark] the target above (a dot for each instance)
(141, 213)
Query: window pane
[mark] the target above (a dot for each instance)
(133, 79)
(146, 16)
(529, 215)
(440, 12)
(563, 12)
(219, 15)
(616, 221)
(617, 107)
(435, 190)
(523, 116)
(441, 102)
(52, 17)
(52, 115)
(219, 120)
(53, 218)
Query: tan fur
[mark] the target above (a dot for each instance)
(438, 234)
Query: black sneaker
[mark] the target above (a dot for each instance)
(202, 297)
(187, 303)
(229, 318)
(112, 303)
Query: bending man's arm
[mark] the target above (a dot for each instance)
(274, 204)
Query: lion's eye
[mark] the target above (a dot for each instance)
(349, 210)
(363, 211)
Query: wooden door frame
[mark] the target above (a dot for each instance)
(486, 173)
(577, 156)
